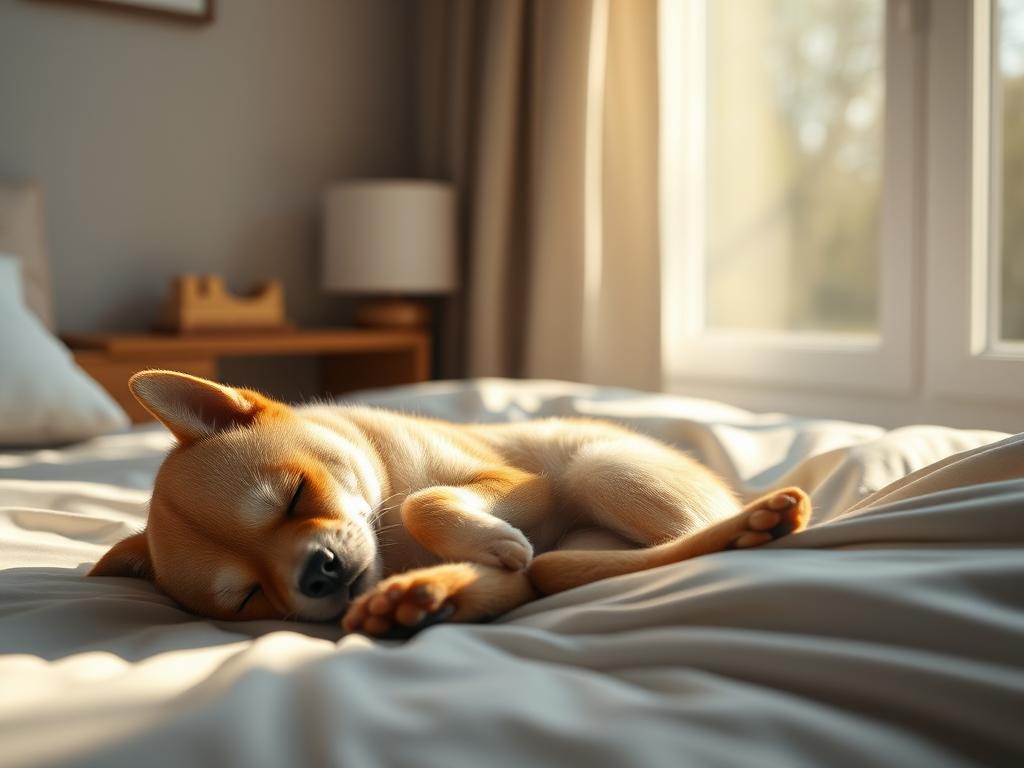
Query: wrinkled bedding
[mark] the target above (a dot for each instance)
(889, 633)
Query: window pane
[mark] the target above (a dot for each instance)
(793, 163)
(1009, 127)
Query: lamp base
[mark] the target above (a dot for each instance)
(392, 313)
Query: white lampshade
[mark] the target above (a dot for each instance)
(393, 236)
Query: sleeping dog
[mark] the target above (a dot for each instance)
(391, 522)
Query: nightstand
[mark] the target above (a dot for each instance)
(350, 359)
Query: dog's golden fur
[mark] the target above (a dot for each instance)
(441, 521)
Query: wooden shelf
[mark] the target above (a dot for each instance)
(350, 358)
(240, 344)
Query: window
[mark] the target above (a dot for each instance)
(843, 192)
(793, 116)
(788, 225)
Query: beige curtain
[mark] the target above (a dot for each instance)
(544, 113)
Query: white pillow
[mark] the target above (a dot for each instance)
(44, 397)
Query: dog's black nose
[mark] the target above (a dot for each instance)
(324, 574)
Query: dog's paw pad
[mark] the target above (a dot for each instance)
(399, 607)
(773, 517)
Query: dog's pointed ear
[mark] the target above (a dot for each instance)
(129, 557)
(194, 408)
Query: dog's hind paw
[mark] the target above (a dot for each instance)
(771, 517)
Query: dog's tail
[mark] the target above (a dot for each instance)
(560, 570)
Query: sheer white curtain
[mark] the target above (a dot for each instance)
(545, 115)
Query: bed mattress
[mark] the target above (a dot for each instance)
(889, 633)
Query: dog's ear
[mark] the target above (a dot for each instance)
(194, 408)
(129, 557)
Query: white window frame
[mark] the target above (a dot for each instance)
(692, 352)
(965, 357)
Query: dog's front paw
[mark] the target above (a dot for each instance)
(408, 602)
(512, 551)
(497, 545)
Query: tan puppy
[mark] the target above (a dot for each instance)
(395, 522)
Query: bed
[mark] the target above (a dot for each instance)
(889, 633)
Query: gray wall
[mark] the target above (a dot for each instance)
(166, 148)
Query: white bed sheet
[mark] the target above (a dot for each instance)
(890, 633)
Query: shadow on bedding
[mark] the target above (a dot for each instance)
(53, 613)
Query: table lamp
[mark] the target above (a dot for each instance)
(394, 238)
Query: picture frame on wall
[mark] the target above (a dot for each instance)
(195, 11)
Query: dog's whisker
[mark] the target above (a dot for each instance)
(381, 511)
(393, 495)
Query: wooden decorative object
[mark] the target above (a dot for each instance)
(202, 303)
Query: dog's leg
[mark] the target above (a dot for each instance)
(770, 517)
(480, 521)
(644, 491)
(408, 602)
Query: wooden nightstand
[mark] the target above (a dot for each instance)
(350, 359)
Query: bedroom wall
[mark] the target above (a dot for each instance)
(167, 147)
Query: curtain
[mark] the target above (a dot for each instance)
(544, 114)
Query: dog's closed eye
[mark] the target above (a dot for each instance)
(295, 497)
(250, 596)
